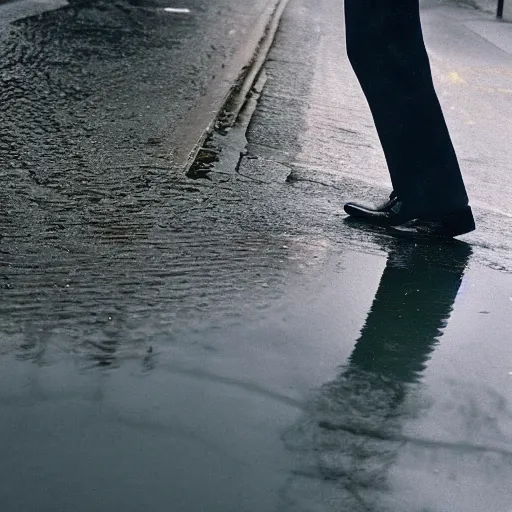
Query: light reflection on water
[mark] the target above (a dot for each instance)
(177, 10)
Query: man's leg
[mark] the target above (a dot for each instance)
(386, 49)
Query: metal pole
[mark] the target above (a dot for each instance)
(499, 12)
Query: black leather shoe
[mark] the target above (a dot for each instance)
(376, 215)
(391, 213)
(446, 226)
(405, 222)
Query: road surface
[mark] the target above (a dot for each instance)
(233, 343)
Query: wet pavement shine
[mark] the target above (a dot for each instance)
(310, 392)
(233, 343)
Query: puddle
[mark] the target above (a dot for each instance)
(362, 379)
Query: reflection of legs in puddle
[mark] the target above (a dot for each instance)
(351, 432)
(412, 304)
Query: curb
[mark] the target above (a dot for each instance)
(226, 96)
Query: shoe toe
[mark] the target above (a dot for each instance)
(354, 209)
(363, 212)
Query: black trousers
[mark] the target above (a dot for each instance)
(386, 49)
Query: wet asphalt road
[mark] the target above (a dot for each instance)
(233, 343)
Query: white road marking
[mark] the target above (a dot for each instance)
(177, 10)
